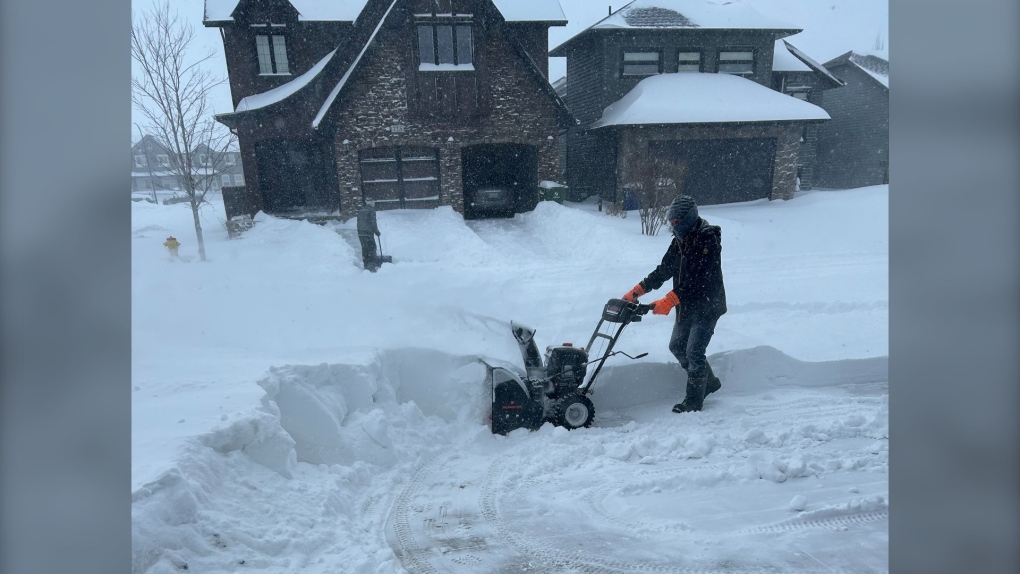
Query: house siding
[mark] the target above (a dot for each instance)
(584, 86)
(517, 111)
(853, 147)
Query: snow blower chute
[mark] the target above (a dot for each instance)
(555, 388)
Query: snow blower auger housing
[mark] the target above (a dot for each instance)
(554, 388)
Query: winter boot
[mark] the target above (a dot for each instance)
(695, 395)
(713, 383)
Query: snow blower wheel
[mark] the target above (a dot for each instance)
(554, 388)
(575, 412)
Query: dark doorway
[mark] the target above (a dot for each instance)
(720, 170)
(294, 177)
(488, 168)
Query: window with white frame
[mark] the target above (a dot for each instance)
(140, 160)
(740, 63)
(202, 159)
(163, 160)
(226, 179)
(272, 52)
(645, 63)
(229, 159)
(688, 62)
(238, 179)
(445, 44)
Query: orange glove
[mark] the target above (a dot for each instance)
(634, 293)
(665, 305)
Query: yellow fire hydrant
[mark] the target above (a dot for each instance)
(171, 245)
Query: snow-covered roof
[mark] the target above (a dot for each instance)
(686, 14)
(349, 10)
(696, 98)
(354, 65)
(785, 50)
(874, 66)
(531, 10)
(785, 61)
(279, 93)
(308, 10)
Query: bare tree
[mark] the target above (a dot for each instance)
(172, 93)
(655, 185)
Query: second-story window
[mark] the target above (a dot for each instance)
(641, 63)
(688, 62)
(163, 160)
(202, 159)
(739, 63)
(229, 159)
(140, 160)
(445, 45)
(272, 51)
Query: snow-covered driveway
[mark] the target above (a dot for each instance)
(294, 412)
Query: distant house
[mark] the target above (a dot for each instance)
(395, 103)
(853, 148)
(151, 168)
(685, 91)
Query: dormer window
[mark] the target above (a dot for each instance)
(272, 51)
(445, 43)
(738, 63)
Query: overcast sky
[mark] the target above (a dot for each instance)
(831, 27)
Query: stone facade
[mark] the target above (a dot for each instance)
(517, 110)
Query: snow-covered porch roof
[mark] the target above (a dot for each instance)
(700, 98)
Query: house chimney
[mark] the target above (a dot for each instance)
(610, 9)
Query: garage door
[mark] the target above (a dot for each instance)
(400, 177)
(720, 170)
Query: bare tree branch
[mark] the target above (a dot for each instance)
(172, 93)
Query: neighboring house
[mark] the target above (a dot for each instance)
(853, 148)
(151, 168)
(796, 74)
(681, 91)
(397, 103)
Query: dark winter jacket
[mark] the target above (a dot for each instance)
(696, 268)
(367, 225)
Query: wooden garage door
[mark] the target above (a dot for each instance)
(400, 177)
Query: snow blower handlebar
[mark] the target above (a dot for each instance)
(617, 311)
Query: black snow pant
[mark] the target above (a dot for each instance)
(368, 256)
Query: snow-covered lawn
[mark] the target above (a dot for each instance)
(292, 412)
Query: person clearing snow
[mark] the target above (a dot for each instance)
(694, 261)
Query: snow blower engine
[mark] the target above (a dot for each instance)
(557, 390)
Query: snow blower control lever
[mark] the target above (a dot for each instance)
(555, 389)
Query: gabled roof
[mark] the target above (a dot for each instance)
(789, 58)
(681, 15)
(549, 11)
(875, 66)
(338, 68)
(702, 98)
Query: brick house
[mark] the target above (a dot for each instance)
(398, 103)
(687, 91)
(151, 168)
(853, 148)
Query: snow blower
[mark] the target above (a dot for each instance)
(555, 388)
